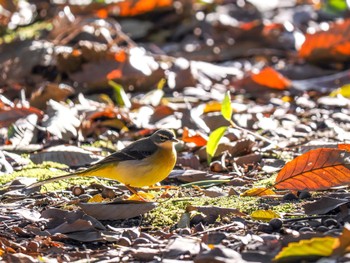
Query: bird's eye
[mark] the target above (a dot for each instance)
(163, 139)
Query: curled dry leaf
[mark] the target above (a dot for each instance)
(65, 154)
(317, 169)
(117, 210)
(324, 205)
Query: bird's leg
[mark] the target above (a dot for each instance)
(133, 190)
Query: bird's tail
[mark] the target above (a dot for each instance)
(50, 180)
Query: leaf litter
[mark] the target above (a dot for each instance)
(259, 99)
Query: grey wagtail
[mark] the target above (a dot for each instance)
(142, 163)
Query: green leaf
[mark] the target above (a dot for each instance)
(120, 95)
(213, 141)
(337, 5)
(226, 109)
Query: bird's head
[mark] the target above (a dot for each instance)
(163, 138)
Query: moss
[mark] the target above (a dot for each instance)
(27, 32)
(44, 171)
(169, 212)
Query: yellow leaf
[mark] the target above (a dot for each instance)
(342, 244)
(212, 106)
(258, 191)
(344, 91)
(96, 199)
(318, 246)
(143, 195)
(265, 215)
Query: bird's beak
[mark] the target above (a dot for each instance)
(174, 140)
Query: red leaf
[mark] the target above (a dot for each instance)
(317, 169)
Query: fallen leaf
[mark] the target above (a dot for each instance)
(317, 169)
(141, 196)
(258, 191)
(314, 247)
(117, 210)
(264, 215)
(219, 254)
(181, 246)
(344, 146)
(270, 78)
(197, 138)
(323, 205)
(341, 245)
(66, 154)
(190, 176)
(343, 91)
(328, 46)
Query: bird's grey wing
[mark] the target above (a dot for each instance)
(135, 151)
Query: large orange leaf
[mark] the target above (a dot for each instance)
(317, 169)
(330, 45)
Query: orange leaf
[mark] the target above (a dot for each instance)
(317, 169)
(120, 56)
(132, 8)
(258, 191)
(333, 44)
(102, 13)
(194, 137)
(114, 74)
(344, 146)
(270, 78)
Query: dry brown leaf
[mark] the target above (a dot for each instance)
(190, 176)
(317, 169)
(66, 154)
(324, 205)
(214, 210)
(115, 211)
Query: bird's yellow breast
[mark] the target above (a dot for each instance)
(139, 173)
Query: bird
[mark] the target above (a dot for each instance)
(144, 162)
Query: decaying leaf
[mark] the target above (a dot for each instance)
(66, 154)
(317, 169)
(117, 210)
(324, 205)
